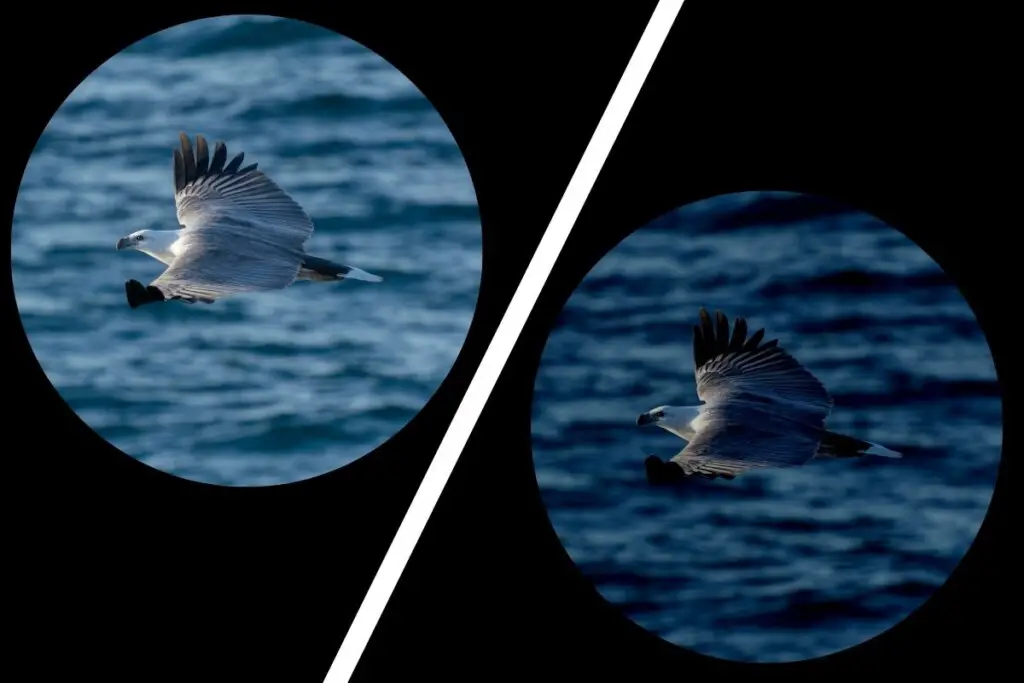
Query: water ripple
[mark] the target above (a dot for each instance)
(777, 565)
(259, 389)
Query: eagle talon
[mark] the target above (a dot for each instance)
(661, 472)
(140, 295)
(201, 254)
(759, 408)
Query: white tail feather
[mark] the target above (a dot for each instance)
(882, 451)
(358, 274)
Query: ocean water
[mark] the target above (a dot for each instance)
(775, 565)
(258, 389)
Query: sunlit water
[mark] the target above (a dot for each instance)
(264, 388)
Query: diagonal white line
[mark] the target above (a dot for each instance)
(504, 340)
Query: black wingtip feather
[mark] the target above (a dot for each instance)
(707, 329)
(721, 329)
(220, 155)
(232, 167)
(202, 156)
(179, 171)
(739, 334)
(191, 164)
(712, 339)
(754, 340)
(189, 156)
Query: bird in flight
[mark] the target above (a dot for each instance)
(761, 408)
(238, 232)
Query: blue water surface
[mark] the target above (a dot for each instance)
(267, 388)
(783, 564)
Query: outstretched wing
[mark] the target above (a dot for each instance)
(739, 370)
(736, 437)
(242, 231)
(763, 409)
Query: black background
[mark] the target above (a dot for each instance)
(120, 571)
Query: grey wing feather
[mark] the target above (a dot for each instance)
(221, 261)
(709, 467)
(730, 369)
(739, 436)
(763, 409)
(242, 231)
(205, 191)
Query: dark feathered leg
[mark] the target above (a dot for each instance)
(139, 294)
(661, 472)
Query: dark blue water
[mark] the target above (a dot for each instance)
(784, 564)
(264, 388)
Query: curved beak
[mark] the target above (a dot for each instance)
(645, 419)
(123, 243)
